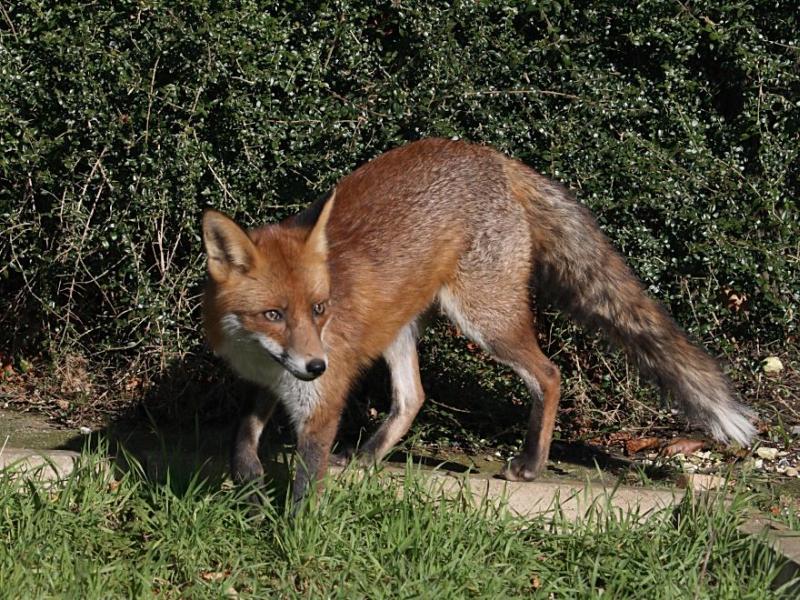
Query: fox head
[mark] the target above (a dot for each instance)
(266, 300)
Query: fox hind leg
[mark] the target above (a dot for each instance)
(543, 381)
(499, 319)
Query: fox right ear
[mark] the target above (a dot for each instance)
(228, 246)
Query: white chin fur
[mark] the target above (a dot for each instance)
(247, 354)
(251, 356)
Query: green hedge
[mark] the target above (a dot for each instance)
(676, 123)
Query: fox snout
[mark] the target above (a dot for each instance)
(316, 367)
(304, 365)
(305, 369)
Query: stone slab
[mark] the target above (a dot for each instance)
(47, 465)
(573, 499)
(784, 542)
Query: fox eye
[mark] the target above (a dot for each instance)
(273, 315)
(318, 309)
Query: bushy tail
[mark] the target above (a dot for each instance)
(577, 269)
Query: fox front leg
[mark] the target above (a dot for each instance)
(314, 442)
(316, 408)
(245, 463)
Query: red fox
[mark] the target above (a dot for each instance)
(301, 308)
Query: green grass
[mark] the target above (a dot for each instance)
(92, 536)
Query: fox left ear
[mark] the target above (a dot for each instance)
(317, 240)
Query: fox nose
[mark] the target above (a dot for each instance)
(315, 366)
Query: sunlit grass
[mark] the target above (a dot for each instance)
(100, 535)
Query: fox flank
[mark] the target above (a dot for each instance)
(303, 307)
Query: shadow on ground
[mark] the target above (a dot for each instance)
(186, 422)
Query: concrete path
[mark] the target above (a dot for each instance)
(573, 499)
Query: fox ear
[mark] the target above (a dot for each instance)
(317, 240)
(228, 246)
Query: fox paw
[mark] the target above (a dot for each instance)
(248, 470)
(245, 468)
(342, 458)
(521, 468)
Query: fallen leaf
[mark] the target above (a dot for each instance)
(8, 370)
(536, 583)
(62, 404)
(684, 446)
(637, 445)
(214, 575)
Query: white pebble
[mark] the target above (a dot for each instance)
(767, 453)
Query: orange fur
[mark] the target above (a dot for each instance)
(442, 223)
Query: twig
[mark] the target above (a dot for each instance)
(217, 178)
(150, 100)
(91, 175)
(79, 247)
(788, 407)
(448, 407)
(78, 261)
(10, 24)
(787, 46)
